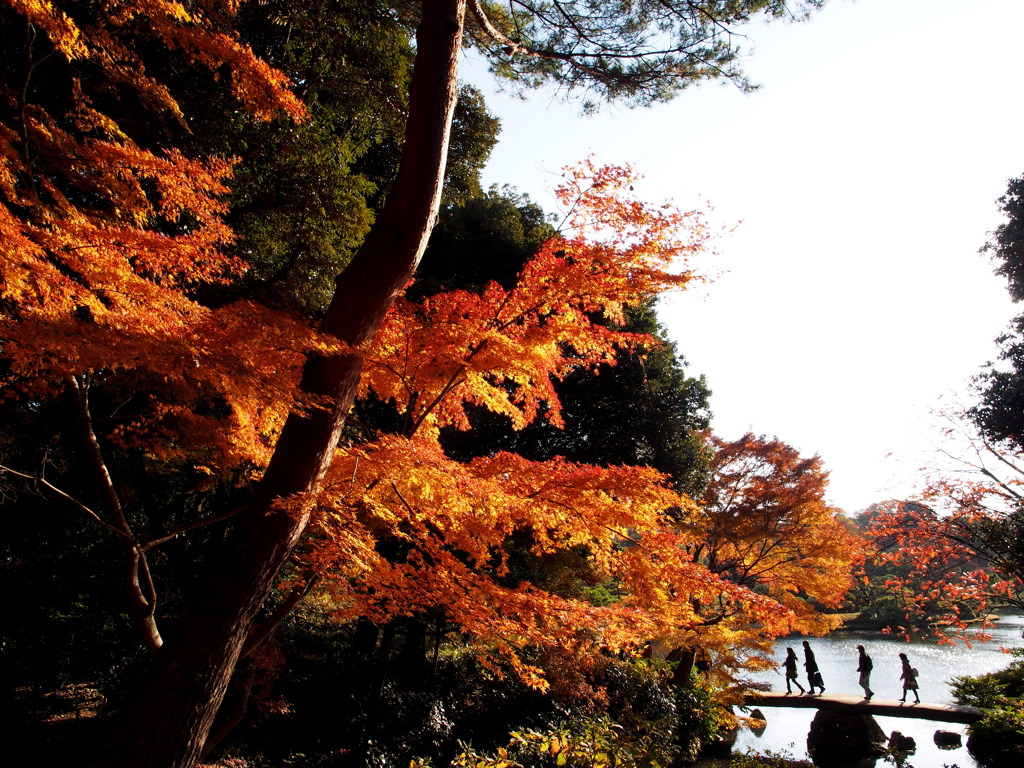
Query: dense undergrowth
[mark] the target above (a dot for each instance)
(322, 696)
(998, 738)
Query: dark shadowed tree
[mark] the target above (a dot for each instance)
(999, 413)
(486, 237)
(1006, 248)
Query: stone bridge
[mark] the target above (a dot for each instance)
(856, 705)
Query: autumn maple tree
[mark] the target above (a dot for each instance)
(954, 548)
(763, 522)
(110, 229)
(501, 349)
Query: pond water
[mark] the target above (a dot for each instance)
(837, 658)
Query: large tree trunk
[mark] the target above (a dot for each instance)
(174, 711)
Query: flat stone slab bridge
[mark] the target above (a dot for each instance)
(851, 704)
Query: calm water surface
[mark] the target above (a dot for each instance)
(837, 658)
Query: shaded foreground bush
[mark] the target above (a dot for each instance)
(322, 697)
(998, 738)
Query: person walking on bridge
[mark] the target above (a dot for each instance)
(813, 675)
(791, 673)
(909, 678)
(864, 667)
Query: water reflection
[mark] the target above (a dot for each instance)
(787, 729)
(837, 762)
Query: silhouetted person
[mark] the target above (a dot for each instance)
(909, 678)
(813, 675)
(864, 667)
(791, 673)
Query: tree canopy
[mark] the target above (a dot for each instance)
(635, 52)
(764, 523)
(1006, 248)
(956, 543)
(999, 413)
(501, 350)
(119, 258)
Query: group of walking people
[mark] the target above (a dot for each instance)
(864, 666)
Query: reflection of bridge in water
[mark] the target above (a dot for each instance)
(850, 704)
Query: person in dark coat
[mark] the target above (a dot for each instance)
(864, 666)
(909, 678)
(791, 673)
(813, 675)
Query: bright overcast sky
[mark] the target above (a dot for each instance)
(864, 172)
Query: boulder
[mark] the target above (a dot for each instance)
(851, 736)
(721, 746)
(947, 739)
(900, 743)
(757, 714)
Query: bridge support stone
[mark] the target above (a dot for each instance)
(835, 734)
(947, 740)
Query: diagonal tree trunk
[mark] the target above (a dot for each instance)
(179, 698)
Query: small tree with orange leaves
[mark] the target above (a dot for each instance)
(763, 523)
(104, 240)
(500, 350)
(956, 547)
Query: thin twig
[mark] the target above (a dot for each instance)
(190, 527)
(67, 497)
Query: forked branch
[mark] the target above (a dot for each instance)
(141, 589)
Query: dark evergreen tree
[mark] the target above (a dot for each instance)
(480, 239)
(999, 414)
(305, 195)
(644, 410)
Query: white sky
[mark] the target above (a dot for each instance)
(865, 173)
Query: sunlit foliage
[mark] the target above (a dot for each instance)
(957, 544)
(766, 525)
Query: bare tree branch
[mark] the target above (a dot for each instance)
(141, 589)
(190, 527)
(59, 494)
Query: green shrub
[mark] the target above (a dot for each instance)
(698, 718)
(994, 689)
(998, 738)
(586, 742)
(646, 722)
(1002, 722)
(984, 691)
